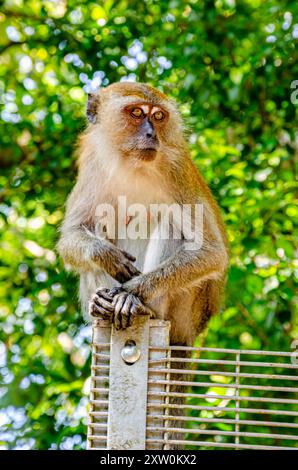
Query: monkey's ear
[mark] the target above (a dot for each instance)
(92, 107)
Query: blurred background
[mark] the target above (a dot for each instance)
(232, 66)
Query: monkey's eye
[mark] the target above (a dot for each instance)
(137, 112)
(158, 115)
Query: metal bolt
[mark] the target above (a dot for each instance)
(130, 352)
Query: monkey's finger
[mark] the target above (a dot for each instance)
(103, 303)
(126, 311)
(99, 300)
(119, 295)
(137, 310)
(140, 309)
(115, 291)
(132, 315)
(120, 278)
(97, 311)
(137, 306)
(117, 320)
(123, 275)
(117, 311)
(145, 309)
(102, 315)
(128, 255)
(132, 269)
(150, 312)
(104, 293)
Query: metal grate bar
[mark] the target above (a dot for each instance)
(199, 444)
(230, 397)
(220, 385)
(98, 413)
(226, 374)
(241, 363)
(221, 350)
(226, 433)
(225, 421)
(98, 425)
(224, 408)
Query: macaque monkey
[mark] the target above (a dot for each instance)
(174, 268)
(134, 147)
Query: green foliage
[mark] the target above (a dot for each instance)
(230, 64)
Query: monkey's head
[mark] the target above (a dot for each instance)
(139, 119)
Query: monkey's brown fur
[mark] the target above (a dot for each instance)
(181, 285)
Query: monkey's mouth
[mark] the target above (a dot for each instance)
(148, 149)
(148, 153)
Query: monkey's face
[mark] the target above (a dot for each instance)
(140, 122)
(143, 122)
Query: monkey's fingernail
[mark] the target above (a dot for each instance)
(129, 256)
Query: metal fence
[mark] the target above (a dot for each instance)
(146, 394)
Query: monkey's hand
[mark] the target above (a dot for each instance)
(126, 307)
(118, 306)
(101, 304)
(117, 263)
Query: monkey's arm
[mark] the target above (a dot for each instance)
(84, 251)
(80, 248)
(185, 267)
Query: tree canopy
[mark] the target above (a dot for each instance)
(231, 65)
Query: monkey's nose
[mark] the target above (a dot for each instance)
(148, 130)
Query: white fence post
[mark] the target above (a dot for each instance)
(124, 397)
(128, 387)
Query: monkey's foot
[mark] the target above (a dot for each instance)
(101, 305)
(126, 307)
